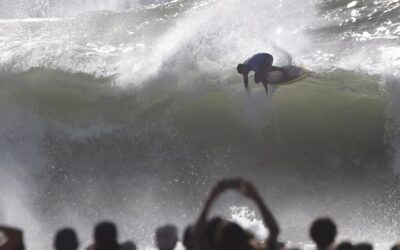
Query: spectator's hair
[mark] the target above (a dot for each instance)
(323, 232)
(13, 238)
(105, 231)
(231, 236)
(364, 246)
(66, 239)
(187, 240)
(212, 228)
(166, 237)
(395, 247)
(129, 245)
(345, 245)
(105, 236)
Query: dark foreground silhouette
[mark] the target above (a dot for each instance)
(204, 234)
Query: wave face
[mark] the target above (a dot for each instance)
(131, 110)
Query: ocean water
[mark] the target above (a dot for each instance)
(131, 110)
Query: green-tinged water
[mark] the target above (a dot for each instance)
(131, 110)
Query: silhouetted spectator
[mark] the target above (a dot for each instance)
(395, 247)
(345, 245)
(323, 232)
(129, 245)
(225, 235)
(231, 236)
(166, 237)
(11, 239)
(188, 238)
(66, 239)
(212, 227)
(364, 246)
(105, 237)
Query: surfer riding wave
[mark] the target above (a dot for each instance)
(265, 72)
(259, 63)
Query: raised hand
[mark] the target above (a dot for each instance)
(247, 189)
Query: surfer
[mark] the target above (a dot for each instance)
(259, 63)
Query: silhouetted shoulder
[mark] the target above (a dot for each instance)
(11, 238)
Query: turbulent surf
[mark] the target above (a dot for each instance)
(130, 110)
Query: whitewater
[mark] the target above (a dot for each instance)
(131, 110)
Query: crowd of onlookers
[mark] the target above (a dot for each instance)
(204, 234)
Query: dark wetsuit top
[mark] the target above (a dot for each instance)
(259, 62)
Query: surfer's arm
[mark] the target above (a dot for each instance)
(202, 220)
(246, 80)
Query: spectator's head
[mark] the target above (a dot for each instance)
(129, 245)
(166, 237)
(66, 239)
(345, 245)
(11, 238)
(212, 228)
(323, 232)
(230, 236)
(188, 238)
(395, 247)
(364, 246)
(105, 236)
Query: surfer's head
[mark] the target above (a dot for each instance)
(242, 69)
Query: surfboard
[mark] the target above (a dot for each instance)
(290, 74)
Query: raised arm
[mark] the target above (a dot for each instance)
(248, 190)
(200, 225)
(201, 221)
(221, 187)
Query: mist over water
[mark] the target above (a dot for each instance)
(63, 8)
(131, 110)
